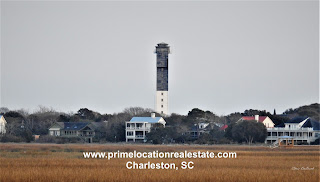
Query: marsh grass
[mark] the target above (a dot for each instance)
(54, 162)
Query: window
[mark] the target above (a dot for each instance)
(139, 125)
(161, 106)
(161, 100)
(161, 93)
(161, 112)
(129, 133)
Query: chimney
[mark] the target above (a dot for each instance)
(256, 117)
(153, 115)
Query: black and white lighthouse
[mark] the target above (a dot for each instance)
(162, 51)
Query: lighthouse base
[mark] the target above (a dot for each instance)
(162, 102)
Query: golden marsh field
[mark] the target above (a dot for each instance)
(65, 162)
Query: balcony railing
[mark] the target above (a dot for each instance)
(136, 136)
(289, 129)
(138, 128)
(139, 136)
(86, 135)
(295, 137)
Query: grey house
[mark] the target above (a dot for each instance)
(83, 130)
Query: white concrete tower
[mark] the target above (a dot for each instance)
(162, 51)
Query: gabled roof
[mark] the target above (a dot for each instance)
(146, 119)
(315, 125)
(297, 119)
(61, 124)
(224, 127)
(79, 125)
(75, 125)
(249, 118)
(311, 124)
(3, 118)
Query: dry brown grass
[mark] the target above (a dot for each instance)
(52, 162)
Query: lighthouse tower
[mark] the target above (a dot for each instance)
(162, 51)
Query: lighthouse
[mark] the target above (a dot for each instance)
(162, 51)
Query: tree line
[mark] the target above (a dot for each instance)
(21, 125)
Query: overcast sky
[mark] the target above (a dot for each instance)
(226, 56)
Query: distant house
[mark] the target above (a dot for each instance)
(262, 119)
(199, 129)
(36, 137)
(138, 127)
(83, 130)
(302, 130)
(3, 123)
(224, 127)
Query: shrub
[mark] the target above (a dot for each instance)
(316, 142)
(47, 139)
(11, 138)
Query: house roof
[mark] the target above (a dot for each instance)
(284, 137)
(80, 125)
(315, 125)
(224, 127)
(311, 124)
(146, 119)
(280, 125)
(308, 124)
(3, 118)
(297, 119)
(249, 118)
(75, 125)
(196, 127)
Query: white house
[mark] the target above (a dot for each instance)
(302, 130)
(3, 123)
(138, 127)
(262, 119)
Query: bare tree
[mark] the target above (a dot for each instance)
(135, 111)
(3, 110)
(44, 109)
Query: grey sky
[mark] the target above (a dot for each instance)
(226, 56)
